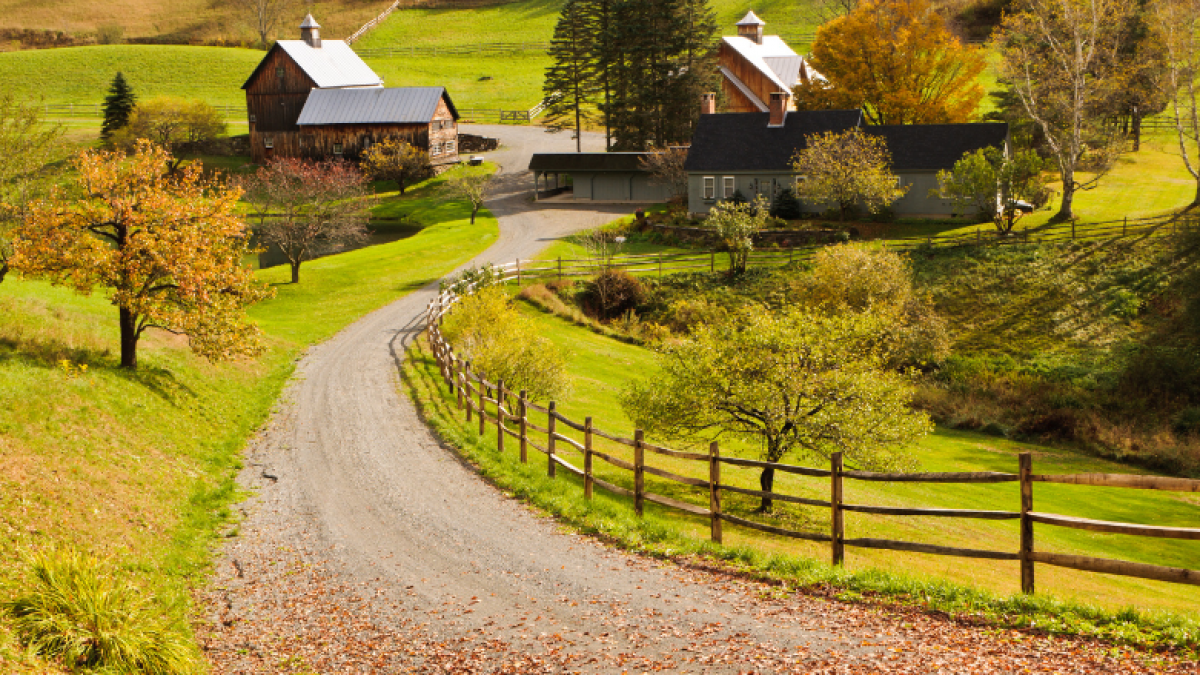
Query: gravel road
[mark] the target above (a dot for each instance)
(368, 547)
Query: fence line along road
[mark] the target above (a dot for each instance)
(513, 415)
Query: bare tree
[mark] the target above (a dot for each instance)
(264, 15)
(304, 205)
(1176, 23)
(666, 169)
(819, 12)
(1063, 59)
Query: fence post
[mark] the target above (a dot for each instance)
(1072, 229)
(518, 271)
(1125, 226)
(712, 261)
(660, 264)
(551, 467)
(1026, 463)
(837, 525)
(500, 416)
(483, 390)
(714, 491)
(639, 477)
(524, 420)
(587, 458)
(465, 390)
(560, 268)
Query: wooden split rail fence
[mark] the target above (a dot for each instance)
(516, 418)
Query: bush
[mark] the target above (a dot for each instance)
(786, 206)
(613, 292)
(501, 344)
(921, 339)
(860, 279)
(686, 314)
(77, 612)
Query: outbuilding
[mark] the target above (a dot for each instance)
(596, 176)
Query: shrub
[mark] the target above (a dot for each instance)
(921, 339)
(613, 292)
(859, 279)
(786, 206)
(686, 314)
(77, 612)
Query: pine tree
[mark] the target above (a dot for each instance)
(118, 105)
(570, 87)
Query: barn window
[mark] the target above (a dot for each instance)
(710, 187)
(337, 148)
(449, 147)
(279, 72)
(435, 149)
(366, 144)
(727, 187)
(268, 141)
(252, 119)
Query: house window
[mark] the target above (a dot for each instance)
(449, 147)
(727, 187)
(268, 141)
(710, 187)
(337, 148)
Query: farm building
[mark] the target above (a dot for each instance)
(595, 176)
(754, 65)
(317, 99)
(752, 153)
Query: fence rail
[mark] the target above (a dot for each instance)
(54, 110)
(510, 412)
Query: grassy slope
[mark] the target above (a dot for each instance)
(600, 367)
(139, 466)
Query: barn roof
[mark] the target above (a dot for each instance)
(398, 105)
(934, 147)
(333, 64)
(744, 142)
(599, 162)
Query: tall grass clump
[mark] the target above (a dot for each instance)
(74, 610)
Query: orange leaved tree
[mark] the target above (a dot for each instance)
(897, 60)
(167, 247)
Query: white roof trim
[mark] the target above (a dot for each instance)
(733, 79)
(754, 54)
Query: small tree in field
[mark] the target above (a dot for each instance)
(992, 183)
(27, 145)
(470, 186)
(846, 169)
(310, 204)
(118, 106)
(177, 125)
(794, 382)
(736, 223)
(396, 161)
(168, 248)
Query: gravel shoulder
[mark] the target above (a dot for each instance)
(369, 547)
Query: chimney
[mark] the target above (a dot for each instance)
(780, 101)
(708, 103)
(310, 32)
(751, 28)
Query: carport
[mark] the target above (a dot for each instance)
(595, 176)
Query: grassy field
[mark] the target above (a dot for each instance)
(139, 467)
(600, 367)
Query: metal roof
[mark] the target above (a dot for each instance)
(751, 20)
(399, 105)
(309, 22)
(333, 64)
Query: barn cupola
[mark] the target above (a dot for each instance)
(751, 28)
(310, 32)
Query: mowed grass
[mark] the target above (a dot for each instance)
(139, 467)
(600, 367)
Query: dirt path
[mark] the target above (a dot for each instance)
(369, 548)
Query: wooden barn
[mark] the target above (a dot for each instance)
(345, 122)
(753, 66)
(318, 99)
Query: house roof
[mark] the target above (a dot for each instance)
(934, 147)
(598, 162)
(334, 64)
(744, 142)
(399, 105)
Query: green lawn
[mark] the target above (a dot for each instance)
(139, 466)
(601, 366)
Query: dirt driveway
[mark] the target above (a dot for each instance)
(369, 548)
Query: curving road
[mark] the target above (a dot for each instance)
(368, 547)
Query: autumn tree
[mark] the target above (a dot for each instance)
(1063, 61)
(168, 248)
(471, 186)
(1177, 25)
(735, 224)
(118, 106)
(306, 206)
(570, 87)
(180, 126)
(396, 161)
(666, 169)
(847, 169)
(27, 145)
(896, 60)
(992, 182)
(791, 381)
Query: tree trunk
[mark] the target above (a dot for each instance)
(400, 185)
(3, 270)
(129, 339)
(1137, 130)
(1068, 198)
(1195, 200)
(295, 272)
(473, 212)
(767, 482)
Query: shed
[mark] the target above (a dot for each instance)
(596, 176)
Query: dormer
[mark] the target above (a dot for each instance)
(751, 28)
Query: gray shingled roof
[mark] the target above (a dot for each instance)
(744, 142)
(400, 105)
(934, 147)
(567, 162)
(333, 64)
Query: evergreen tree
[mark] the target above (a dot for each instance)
(570, 86)
(118, 105)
